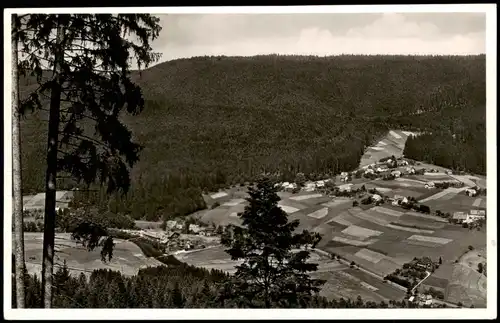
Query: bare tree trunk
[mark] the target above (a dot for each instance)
(16, 175)
(50, 176)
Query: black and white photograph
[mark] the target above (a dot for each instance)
(210, 161)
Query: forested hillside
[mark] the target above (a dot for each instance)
(214, 121)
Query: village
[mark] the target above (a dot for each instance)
(389, 169)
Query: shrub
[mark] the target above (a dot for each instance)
(470, 248)
(355, 203)
(215, 205)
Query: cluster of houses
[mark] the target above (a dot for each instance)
(308, 187)
(172, 238)
(472, 216)
(421, 299)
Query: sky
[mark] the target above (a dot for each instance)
(188, 35)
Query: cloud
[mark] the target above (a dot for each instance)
(332, 34)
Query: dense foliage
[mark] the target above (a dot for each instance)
(214, 121)
(272, 273)
(176, 286)
(460, 152)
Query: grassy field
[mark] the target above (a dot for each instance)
(391, 144)
(127, 257)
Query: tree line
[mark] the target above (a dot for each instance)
(179, 286)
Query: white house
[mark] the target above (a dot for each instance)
(460, 217)
(478, 213)
(309, 187)
(410, 170)
(344, 176)
(403, 163)
(475, 215)
(285, 184)
(376, 197)
(320, 184)
(430, 185)
(381, 169)
(396, 173)
(471, 192)
(345, 187)
(369, 171)
(195, 228)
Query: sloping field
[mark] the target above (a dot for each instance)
(392, 144)
(339, 284)
(386, 290)
(291, 203)
(422, 223)
(438, 195)
(395, 134)
(430, 239)
(409, 229)
(337, 202)
(459, 202)
(218, 195)
(288, 209)
(361, 232)
(127, 257)
(410, 180)
(369, 255)
(319, 214)
(234, 202)
(366, 216)
(387, 211)
(345, 218)
(305, 197)
(223, 215)
(354, 242)
(425, 216)
(467, 286)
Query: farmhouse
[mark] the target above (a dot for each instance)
(376, 197)
(369, 171)
(410, 170)
(475, 215)
(459, 217)
(345, 188)
(344, 176)
(320, 184)
(382, 169)
(478, 213)
(470, 192)
(396, 173)
(430, 185)
(403, 163)
(195, 228)
(309, 187)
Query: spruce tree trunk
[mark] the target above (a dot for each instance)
(50, 176)
(17, 206)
